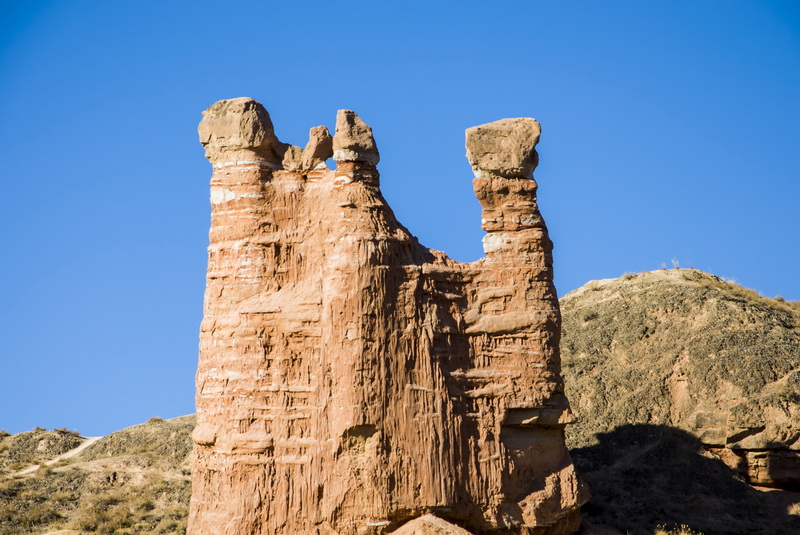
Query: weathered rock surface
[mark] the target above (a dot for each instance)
(351, 380)
(505, 148)
(669, 373)
(318, 149)
(240, 129)
(353, 141)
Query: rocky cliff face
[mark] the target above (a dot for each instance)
(350, 379)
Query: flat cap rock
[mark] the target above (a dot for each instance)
(505, 148)
(236, 125)
(353, 141)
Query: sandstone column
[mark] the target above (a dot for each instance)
(351, 380)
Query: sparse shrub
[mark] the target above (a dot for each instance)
(106, 514)
(114, 521)
(43, 470)
(145, 504)
(678, 530)
(589, 316)
(175, 513)
(63, 497)
(39, 429)
(170, 526)
(3, 433)
(7, 513)
(105, 501)
(155, 420)
(38, 515)
(780, 298)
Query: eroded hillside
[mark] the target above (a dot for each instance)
(132, 481)
(673, 373)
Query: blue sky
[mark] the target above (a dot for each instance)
(670, 130)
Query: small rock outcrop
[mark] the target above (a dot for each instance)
(352, 381)
(318, 149)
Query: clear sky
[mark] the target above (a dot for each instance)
(670, 131)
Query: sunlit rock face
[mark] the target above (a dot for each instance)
(352, 381)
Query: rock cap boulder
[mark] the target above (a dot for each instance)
(239, 127)
(353, 141)
(505, 148)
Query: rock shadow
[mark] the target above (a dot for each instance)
(644, 476)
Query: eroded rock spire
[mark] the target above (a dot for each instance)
(352, 381)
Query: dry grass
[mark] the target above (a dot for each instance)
(129, 483)
(733, 288)
(678, 530)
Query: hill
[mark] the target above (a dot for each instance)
(133, 481)
(687, 388)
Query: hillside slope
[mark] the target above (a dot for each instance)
(671, 373)
(133, 481)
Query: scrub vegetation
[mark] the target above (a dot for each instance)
(133, 481)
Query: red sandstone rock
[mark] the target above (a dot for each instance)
(504, 148)
(353, 141)
(350, 379)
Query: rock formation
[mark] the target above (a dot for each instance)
(351, 380)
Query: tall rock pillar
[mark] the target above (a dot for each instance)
(515, 326)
